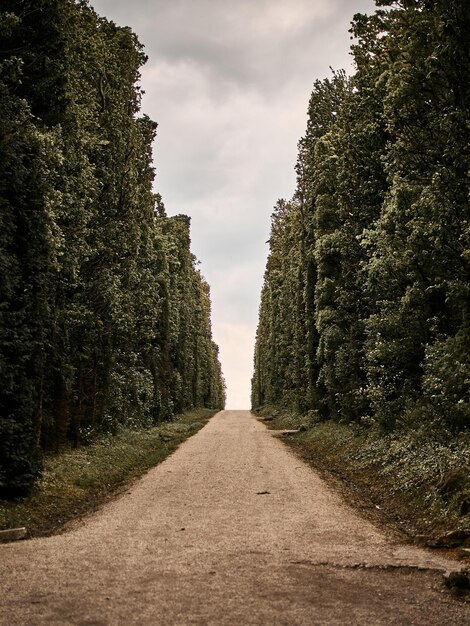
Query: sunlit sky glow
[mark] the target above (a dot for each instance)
(228, 82)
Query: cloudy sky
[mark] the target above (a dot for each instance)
(228, 82)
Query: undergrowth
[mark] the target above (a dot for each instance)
(419, 479)
(77, 481)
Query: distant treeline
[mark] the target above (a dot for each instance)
(365, 309)
(104, 318)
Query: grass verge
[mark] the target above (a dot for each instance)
(76, 482)
(418, 482)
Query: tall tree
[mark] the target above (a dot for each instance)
(418, 272)
(382, 234)
(103, 321)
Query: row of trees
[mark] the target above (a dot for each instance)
(104, 317)
(365, 308)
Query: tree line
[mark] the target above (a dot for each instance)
(365, 307)
(104, 316)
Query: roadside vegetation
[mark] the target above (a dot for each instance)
(78, 480)
(364, 321)
(418, 482)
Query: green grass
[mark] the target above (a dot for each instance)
(420, 481)
(78, 481)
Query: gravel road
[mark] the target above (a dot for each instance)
(231, 529)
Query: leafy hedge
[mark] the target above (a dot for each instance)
(104, 318)
(365, 308)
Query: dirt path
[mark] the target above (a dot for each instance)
(231, 529)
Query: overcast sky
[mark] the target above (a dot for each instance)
(228, 82)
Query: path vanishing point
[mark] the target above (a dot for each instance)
(231, 529)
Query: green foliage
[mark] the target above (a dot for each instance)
(104, 319)
(279, 356)
(380, 284)
(27, 251)
(446, 379)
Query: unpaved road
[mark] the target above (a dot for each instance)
(199, 541)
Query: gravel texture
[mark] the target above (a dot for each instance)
(231, 529)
